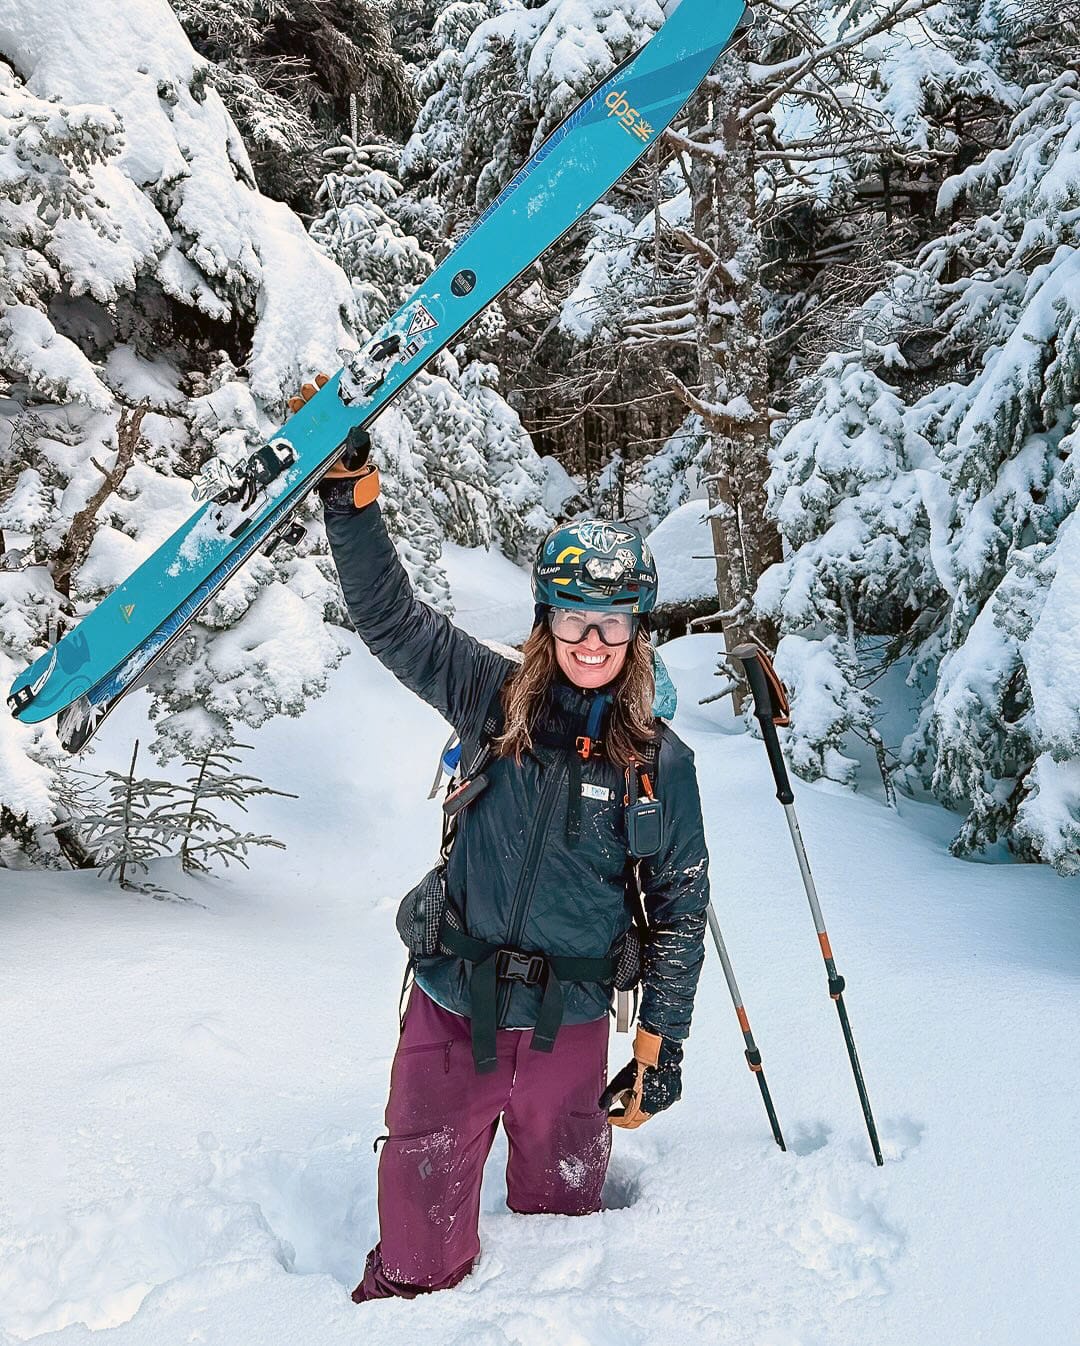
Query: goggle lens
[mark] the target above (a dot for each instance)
(613, 628)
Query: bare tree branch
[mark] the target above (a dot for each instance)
(898, 12)
(73, 549)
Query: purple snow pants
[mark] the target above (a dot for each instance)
(442, 1118)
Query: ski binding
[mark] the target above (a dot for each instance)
(242, 483)
(291, 534)
(366, 371)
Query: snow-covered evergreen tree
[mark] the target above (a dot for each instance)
(969, 541)
(455, 459)
(768, 225)
(287, 70)
(503, 75)
(384, 263)
(133, 247)
(846, 492)
(519, 515)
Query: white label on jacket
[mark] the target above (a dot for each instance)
(597, 792)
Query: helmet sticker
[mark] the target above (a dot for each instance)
(597, 535)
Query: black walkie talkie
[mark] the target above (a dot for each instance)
(644, 819)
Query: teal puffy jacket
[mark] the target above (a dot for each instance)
(520, 876)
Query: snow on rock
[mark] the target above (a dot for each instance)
(682, 545)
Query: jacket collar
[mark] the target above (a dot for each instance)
(565, 715)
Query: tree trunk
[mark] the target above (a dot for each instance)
(734, 404)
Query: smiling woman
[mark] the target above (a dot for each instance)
(592, 645)
(575, 863)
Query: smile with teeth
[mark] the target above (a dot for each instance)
(590, 659)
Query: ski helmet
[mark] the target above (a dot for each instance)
(595, 563)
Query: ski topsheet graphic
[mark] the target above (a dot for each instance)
(83, 676)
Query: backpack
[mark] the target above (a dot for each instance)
(429, 924)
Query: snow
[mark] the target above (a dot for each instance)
(492, 596)
(31, 346)
(192, 1090)
(1053, 652)
(180, 179)
(683, 546)
(559, 487)
(137, 378)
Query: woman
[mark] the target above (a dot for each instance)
(509, 1017)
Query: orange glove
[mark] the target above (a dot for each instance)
(352, 482)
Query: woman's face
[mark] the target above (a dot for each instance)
(588, 662)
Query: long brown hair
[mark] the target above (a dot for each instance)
(631, 724)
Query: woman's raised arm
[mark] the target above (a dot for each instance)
(438, 661)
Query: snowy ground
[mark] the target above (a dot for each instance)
(191, 1091)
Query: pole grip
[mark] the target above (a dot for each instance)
(768, 709)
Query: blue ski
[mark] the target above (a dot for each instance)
(84, 675)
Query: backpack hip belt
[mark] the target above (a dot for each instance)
(492, 963)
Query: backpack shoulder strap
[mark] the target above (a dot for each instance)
(474, 755)
(650, 761)
(482, 749)
(648, 766)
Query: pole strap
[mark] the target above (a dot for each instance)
(779, 707)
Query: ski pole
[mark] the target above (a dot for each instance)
(771, 709)
(753, 1056)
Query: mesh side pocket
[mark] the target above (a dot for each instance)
(628, 971)
(420, 914)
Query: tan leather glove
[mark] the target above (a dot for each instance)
(649, 1084)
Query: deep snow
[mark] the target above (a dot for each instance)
(191, 1091)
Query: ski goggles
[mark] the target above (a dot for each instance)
(572, 627)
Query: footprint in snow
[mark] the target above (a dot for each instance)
(900, 1135)
(96, 1264)
(204, 1041)
(319, 1200)
(808, 1137)
(622, 1185)
(570, 1271)
(849, 1242)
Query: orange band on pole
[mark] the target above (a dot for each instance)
(826, 947)
(744, 1022)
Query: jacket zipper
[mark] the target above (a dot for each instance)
(527, 882)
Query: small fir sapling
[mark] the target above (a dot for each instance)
(136, 826)
(147, 819)
(205, 836)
